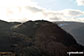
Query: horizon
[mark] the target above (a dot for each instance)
(39, 20)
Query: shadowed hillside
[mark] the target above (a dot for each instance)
(36, 38)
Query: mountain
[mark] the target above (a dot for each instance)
(45, 36)
(37, 38)
(76, 29)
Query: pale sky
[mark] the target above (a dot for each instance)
(59, 4)
(51, 10)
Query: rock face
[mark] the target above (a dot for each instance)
(37, 38)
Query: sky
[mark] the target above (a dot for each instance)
(51, 10)
(59, 4)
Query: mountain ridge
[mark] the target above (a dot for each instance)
(37, 38)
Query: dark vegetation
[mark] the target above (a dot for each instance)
(36, 38)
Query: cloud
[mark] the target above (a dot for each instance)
(73, 13)
(13, 10)
(33, 8)
(65, 15)
(25, 10)
(80, 2)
